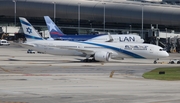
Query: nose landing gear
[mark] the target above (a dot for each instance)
(155, 61)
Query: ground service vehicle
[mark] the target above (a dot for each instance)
(4, 42)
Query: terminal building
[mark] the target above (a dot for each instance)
(145, 17)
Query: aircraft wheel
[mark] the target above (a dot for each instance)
(172, 62)
(86, 60)
(178, 62)
(155, 62)
(93, 60)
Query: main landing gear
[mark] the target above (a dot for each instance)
(89, 60)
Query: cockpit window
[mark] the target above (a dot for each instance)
(164, 49)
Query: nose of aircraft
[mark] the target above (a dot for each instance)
(166, 54)
(142, 40)
(163, 54)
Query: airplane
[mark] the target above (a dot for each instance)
(57, 34)
(98, 51)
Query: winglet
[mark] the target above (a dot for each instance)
(30, 33)
(110, 38)
(54, 31)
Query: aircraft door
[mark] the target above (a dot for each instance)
(151, 50)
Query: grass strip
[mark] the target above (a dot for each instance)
(167, 73)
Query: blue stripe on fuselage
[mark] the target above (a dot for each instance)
(116, 49)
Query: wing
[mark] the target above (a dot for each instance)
(84, 51)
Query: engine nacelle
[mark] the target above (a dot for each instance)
(102, 56)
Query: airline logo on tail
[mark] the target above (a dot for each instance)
(29, 30)
(30, 33)
(53, 29)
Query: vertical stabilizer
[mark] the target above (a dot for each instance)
(30, 33)
(54, 31)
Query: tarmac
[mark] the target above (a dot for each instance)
(44, 78)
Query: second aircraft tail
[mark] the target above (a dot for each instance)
(54, 31)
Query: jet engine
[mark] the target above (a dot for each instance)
(102, 56)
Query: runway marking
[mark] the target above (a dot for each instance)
(37, 75)
(9, 71)
(12, 102)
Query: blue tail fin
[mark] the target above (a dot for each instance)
(30, 33)
(54, 31)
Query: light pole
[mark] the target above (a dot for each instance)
(166, 35)
(14, 12)
(91, 25)
(142, 20)
(54, 11)
(79, 4)
(104, 16)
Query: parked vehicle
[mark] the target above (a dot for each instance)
(30, 51)
(174, 61)
(4, 42)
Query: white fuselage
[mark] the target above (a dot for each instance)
(118, 50)
(118, 38)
